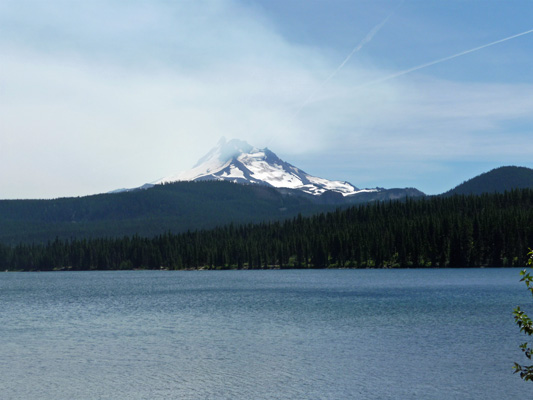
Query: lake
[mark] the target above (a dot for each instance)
(291, 334)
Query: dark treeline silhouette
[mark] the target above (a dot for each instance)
(491, 230)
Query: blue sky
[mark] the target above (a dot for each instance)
(106, 94)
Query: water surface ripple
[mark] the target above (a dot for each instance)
(329, 334)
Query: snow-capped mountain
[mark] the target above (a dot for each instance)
(237, 161)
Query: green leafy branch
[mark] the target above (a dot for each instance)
(525, 324)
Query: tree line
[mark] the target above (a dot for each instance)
(490, 230)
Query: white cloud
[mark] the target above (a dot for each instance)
(424, 117)
(106, 94)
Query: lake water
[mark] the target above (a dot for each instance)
(325, 334)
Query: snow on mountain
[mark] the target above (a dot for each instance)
(237, 161)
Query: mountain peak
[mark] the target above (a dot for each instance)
(239, 162)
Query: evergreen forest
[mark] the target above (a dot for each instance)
(175, 207)
(489, 230)
(497, 180)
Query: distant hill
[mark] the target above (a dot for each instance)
(175, 207)
(492, 230)
(497, 180)
(172, 207)
(196, 205)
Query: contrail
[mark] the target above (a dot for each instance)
(440, 60)
(370, 35)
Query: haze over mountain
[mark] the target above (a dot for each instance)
(238, 162)
(376, 93)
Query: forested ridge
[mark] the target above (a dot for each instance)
(497, 180)
(175, 207)
(491, 230)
